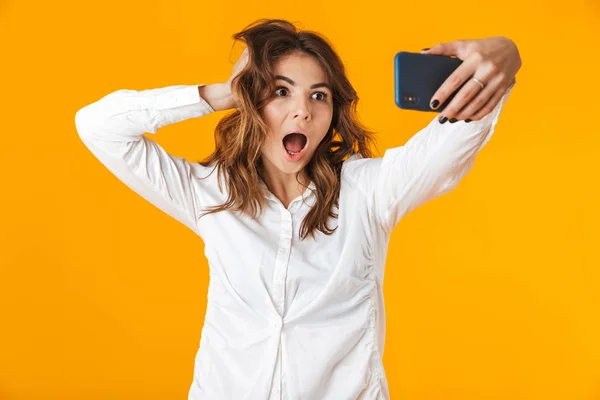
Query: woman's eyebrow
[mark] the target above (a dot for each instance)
(291, 82)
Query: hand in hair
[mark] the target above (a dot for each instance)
(219, 95)
(237, 68)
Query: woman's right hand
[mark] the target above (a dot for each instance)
(237, 68)
(219, 95)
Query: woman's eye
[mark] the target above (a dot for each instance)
(320, 96)
(323, 96)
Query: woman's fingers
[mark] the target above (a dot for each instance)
(471, 96)
(451, 84)
(487, 108)
(239, 65)
(484, 100)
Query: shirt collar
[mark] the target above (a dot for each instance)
(306, 196)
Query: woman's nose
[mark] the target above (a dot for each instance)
(300, 110)
(300, 114)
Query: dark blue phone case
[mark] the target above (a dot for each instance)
(419, 76)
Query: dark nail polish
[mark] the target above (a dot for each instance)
(467, 120)
(443, 119)
(429, 48)
(453, 120)
(435, 103)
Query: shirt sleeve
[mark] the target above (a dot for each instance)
(113, 128)
(429, 165)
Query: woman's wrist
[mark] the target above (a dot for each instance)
(218, 95)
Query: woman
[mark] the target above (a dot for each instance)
(297, 218)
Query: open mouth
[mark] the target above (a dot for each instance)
(295, 143)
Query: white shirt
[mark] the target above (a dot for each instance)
(285, 319)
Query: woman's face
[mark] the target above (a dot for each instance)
(303, 104)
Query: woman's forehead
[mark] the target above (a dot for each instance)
(302, 69)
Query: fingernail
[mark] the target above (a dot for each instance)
(443, 119)
(453, 120)
(429, 48)
(435, 103)
(467, 120)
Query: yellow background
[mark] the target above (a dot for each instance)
(492, 291)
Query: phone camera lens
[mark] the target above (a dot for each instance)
(410, 98)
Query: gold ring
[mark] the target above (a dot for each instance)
(479, 82)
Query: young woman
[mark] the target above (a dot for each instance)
(294, 211)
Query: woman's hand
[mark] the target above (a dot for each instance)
(237, 68)
(493, 61)
(219, 95)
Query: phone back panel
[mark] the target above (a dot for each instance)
(419, 76)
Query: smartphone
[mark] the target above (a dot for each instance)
(418, 76)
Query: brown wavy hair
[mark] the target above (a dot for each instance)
(239, 135)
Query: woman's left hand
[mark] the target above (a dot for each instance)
(493, 61)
